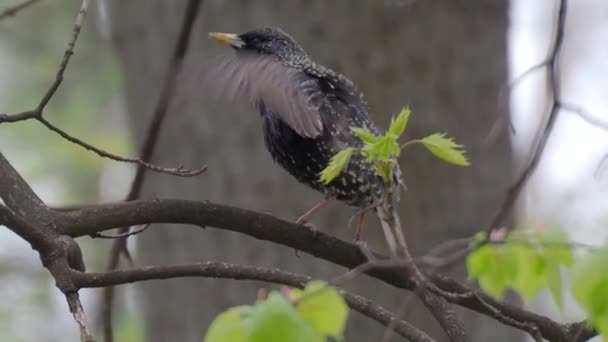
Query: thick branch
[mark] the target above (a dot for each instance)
(95, 219)
(242, 272)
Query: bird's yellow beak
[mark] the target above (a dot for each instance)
(227, 38)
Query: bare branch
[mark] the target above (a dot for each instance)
(80, 317)
(524, 326)
(585, 115)
(61, 255)
(37, 113)
(244, 272)
(12, 11)
(542, 136)
(121, 235)
(69, 51)
(266, 227)
(34, 222)
(180, 171)
(422, 286)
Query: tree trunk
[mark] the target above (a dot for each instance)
(444, 59)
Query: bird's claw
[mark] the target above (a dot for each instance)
(360, 243)
(303, 220)
(311, 226)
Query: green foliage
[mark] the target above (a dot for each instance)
(590, 286)
(530, 261)
(323, 307)
(492, 267)
(337, 163)
(383, 150)
(365, 135)
(445, 148)
(399, 123)
(527, 262)
(308, 315)
(229, 326)
(276, 320)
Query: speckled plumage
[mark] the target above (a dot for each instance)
(307, 112)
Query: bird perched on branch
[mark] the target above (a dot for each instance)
(307, 112)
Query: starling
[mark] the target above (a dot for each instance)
(307, 112)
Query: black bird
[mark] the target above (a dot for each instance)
(307, 113)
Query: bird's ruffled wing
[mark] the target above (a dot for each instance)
(289, 92)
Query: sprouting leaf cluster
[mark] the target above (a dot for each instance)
(529, 261)
(309, 315)
(589, 277)
(383, 150)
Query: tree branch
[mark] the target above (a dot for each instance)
(37, 113)
(12, 11)
(179, 171)
(543, 135)
(243, 272)
(69, 51)
(94, 219)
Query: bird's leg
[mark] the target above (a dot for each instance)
(307, 215)
(360, 221)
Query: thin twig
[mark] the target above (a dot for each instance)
(399, 315)
(80, 317)
(69, 51)
(122, 234)
(525, 326)
(37, 112)
(503, 117)
(433, 298)
(179, 171)
(585, 115)
(243, 272)
(537, 148)
(12, 11)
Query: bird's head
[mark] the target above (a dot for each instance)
(269, 41)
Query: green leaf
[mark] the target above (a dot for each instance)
(384, 149)
(445, 148)
(531, 270)
(276, 320)
(336, 165)
(364, 134)
(557, 246)
(493, 268)
(229, 326)
(324, 308)
(590, 285)
(399, 123)
(554, 281)
(478, 262)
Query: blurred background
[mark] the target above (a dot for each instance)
(445, 59)
(89, 104)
